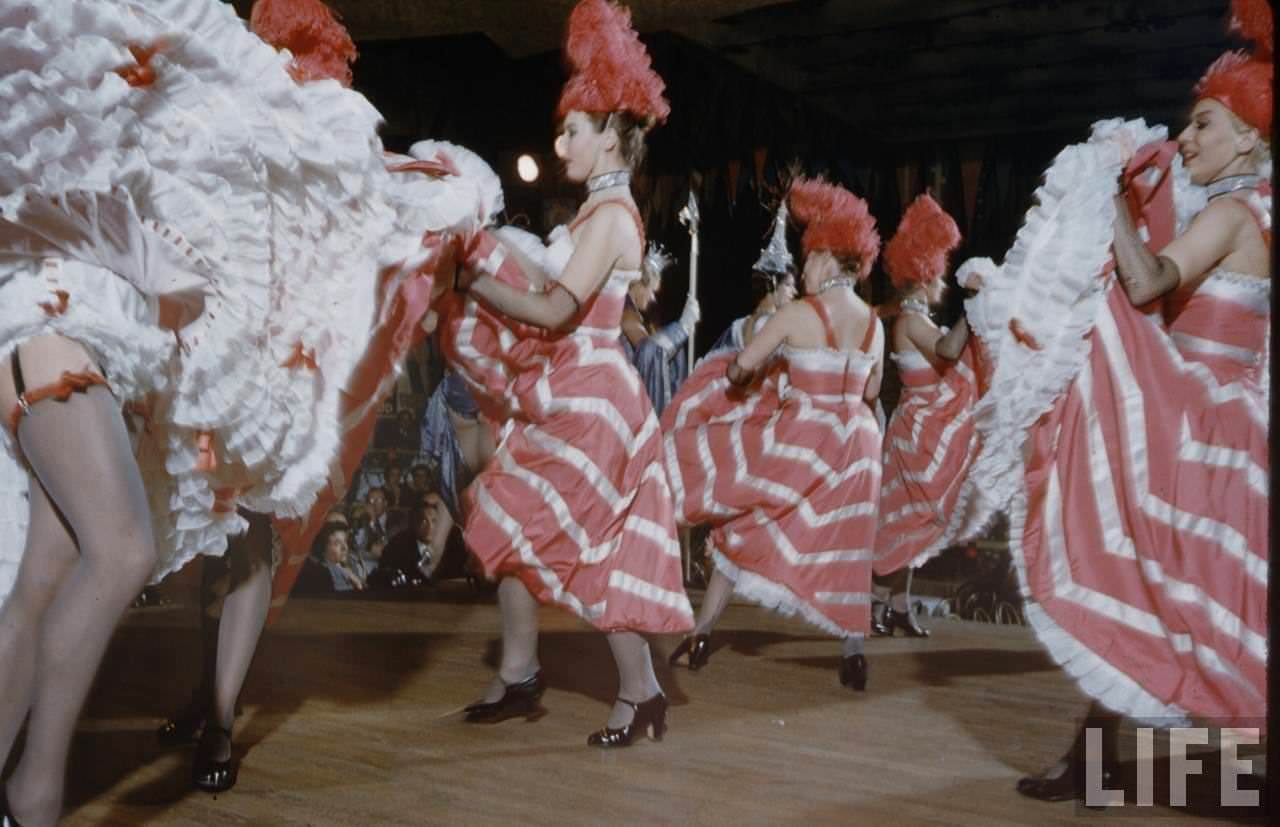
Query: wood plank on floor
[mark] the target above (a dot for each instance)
(351, 716)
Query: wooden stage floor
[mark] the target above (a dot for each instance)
(350, 717)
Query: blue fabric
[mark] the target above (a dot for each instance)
(731, 339)
(662, 362)
(441, 443)
(458, 396)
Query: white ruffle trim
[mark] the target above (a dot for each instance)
(774, 596)
(1093, 674)
(244, 181)
(1051, 282)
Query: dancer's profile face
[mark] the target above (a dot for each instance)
(579, 145)
(1212, 145)
(784, 292)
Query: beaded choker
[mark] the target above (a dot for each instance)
(617, 178)
(916, 305)
(1232, 183)
(836, 281)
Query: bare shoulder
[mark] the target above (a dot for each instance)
(798, 311)
(614, 215)
(1223, 218)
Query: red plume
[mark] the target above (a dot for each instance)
(835, 220)
(610, 70)
(917, 253)
(1252, 19)
(321, 47)
(1242, 82)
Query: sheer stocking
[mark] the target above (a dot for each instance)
(636, 680)
(900, 590)
(852, 645)
(244, 614)
(80, 452)
(714, 601)
(50, 553)
(519, 636)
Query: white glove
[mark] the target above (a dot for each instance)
(690, 315)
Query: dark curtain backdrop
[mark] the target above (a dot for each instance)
(731, 138)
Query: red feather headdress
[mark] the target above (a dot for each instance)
(835, 220)
(917, 253)
(1240, 81)
(321, 47)
(609, 68)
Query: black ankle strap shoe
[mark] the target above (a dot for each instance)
(519, 700)
(650, 719)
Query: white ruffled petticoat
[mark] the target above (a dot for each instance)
(245, 204)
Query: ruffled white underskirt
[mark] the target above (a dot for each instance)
(257, 211)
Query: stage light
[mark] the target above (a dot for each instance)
(527, 168)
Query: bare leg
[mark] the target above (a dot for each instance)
(519, 636)
(475, 441)
(80, 451)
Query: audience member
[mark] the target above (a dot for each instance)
(415, 553)
(328, 570)
(371, 538)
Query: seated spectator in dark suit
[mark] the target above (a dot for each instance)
(371, 537)
(414, 554)
(328, 570)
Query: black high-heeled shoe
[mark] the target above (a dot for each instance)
(853, 672)
(518, 700)
(1068, 783)
(697, 647)
(1066, 786)
(906, 621)
(6, 818)
(650, 719)
(211, 774)
(877, 624)
(184, 727)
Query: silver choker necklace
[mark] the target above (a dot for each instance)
(1232, 183)
(918, 306)
(617, 178)
(836, 281)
